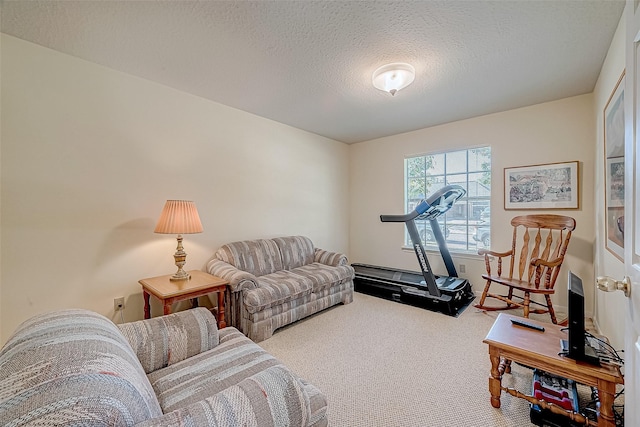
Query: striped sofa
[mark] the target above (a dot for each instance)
(274, 282)
(75, 367)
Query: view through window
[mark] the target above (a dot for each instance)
(466, 225)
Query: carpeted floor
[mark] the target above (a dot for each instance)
(382, 363)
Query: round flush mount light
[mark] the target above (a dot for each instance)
(393, 77)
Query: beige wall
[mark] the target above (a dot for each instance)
(1, 340)
(89, 156)
(610, 307)
(551, 132)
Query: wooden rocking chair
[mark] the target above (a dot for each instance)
(543, 243)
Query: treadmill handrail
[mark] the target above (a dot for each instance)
(398, 218)
(432, 207)
(422, 207)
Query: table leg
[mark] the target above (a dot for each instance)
(167, 307)
(606, 394)
(495, 381)
(221, 321)
(147, 307)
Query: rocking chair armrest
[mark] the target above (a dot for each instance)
(492, 253)
(549, 264)
(488, 261)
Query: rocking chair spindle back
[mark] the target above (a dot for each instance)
(537, 251)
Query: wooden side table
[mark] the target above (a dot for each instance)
(540, 350)
(168, 291)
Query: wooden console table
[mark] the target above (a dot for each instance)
(508, 342)
(168, 291)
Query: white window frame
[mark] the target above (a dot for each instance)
(470, 206)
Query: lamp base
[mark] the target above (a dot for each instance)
(180, 275)
(181, 259)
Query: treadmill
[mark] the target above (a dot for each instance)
(447, 294)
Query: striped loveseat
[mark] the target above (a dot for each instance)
(75, 367)
(274, 282)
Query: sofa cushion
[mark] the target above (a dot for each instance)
(275, 289)
(258, 257)
(323, 276)
(72, 367)
(165, 340)
(270, 398)
(296, 251)
(203, 375)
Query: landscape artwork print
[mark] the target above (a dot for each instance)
(550, 186)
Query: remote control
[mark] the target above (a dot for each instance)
(527, 325)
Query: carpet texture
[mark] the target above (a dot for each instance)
(382, 363)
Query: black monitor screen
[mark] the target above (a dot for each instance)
(578, 349)
(575, 303)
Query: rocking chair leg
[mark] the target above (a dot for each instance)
(552, 312)
(526, 303)
(510, 297)
(484, 294)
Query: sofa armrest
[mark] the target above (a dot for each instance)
(165, 340)
(272, 397)
(238, 279)
(333, 259)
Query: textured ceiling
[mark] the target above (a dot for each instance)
(309, 63)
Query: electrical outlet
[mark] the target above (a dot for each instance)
(463, 268)
(118, 304)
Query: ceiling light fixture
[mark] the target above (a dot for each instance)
(393, 77)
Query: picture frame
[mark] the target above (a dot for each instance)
(615, 182)
(613, 125)
(546, 186)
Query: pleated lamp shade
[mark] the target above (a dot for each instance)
(179, 217)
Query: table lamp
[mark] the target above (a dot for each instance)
(179, 217)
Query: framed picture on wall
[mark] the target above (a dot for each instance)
(615, 182)
(613, 116)
(548, 186)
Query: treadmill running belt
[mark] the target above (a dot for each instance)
(409, 287)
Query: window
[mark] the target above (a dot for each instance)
(466, 225)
